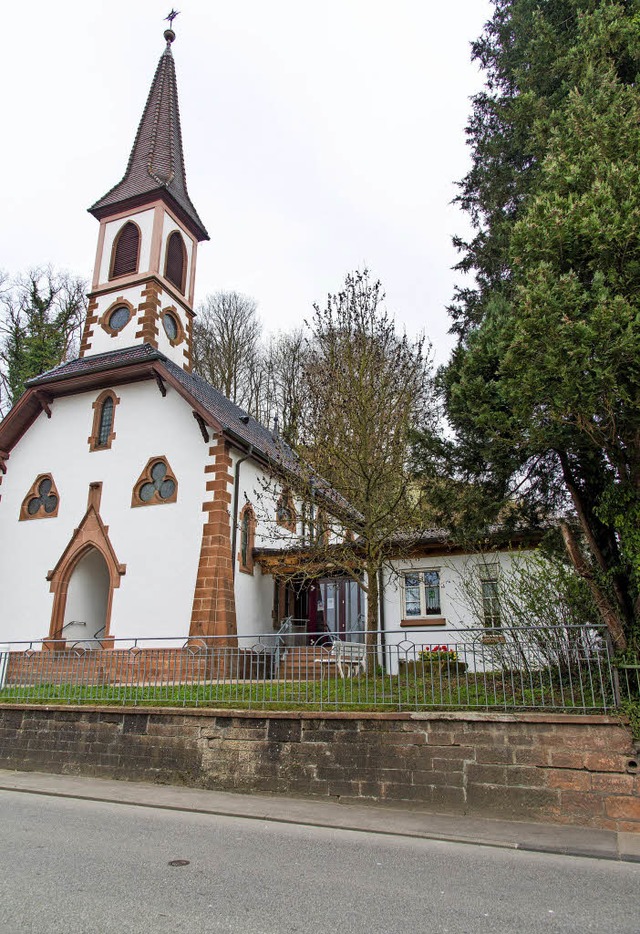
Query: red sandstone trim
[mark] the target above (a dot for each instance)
(91, 319)
(150, 308)
(214, 611)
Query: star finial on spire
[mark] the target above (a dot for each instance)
(169, 34)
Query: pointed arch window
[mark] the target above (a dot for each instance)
(247, 538)
(176, 262)
(102, 433)
(286, 516)
(126, 251)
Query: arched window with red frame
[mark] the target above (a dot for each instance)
(247, 538)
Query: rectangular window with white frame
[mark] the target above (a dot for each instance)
(490, 589)
(421, 594)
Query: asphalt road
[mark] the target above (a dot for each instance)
(83, 866)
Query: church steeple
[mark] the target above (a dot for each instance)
(156, 163)
(144, 276)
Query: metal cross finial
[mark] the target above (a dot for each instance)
(172, 15)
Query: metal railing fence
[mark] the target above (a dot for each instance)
(545, 668)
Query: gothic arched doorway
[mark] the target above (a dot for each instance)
(83, 582)
(88, 598)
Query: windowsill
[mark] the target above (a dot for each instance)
(422, 621)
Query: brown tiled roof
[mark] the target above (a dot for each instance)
(156, 163)
(111, 360)
(224, 412)
(237, 424)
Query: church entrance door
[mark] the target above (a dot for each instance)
(85, 613)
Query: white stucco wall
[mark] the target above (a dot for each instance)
(159, 544)
(102, 341)
(168, 302)
(254, 592)
(144, 220)
(459, 579)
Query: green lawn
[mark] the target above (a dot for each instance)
(488, 691)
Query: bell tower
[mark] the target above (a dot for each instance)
(143, 280)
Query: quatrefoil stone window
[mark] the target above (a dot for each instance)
(156, 484)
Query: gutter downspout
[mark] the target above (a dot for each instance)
(236, 497)
(383, 638)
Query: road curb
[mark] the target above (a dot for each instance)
(384, 821)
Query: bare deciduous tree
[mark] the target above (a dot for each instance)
(282, 383)
(226, 337)
(366, 388)
(264, 379)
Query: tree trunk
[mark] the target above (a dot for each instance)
(605, 609)
(604, 549)
(373, 601)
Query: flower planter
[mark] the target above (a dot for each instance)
(436, 668)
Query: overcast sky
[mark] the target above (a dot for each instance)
(319, 137)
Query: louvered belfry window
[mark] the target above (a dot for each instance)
(176, 260)
(125, 251)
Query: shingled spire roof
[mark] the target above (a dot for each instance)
(156, 163)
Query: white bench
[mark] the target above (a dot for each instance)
(348, 657)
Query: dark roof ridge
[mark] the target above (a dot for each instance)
(108, 360)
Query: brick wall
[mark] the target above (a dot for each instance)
(562, 768)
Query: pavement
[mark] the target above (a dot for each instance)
(370, 818)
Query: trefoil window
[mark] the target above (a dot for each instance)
(156, 484)
(42, 500)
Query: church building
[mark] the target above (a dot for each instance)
(127, 497)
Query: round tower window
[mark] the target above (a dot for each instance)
(170, 326)
(119, 317)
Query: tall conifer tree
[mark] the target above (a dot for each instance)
(543, 387)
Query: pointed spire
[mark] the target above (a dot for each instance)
(156, 163)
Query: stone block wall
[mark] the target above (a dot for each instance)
(558, 768)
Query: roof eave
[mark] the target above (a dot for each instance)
(101, 211)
